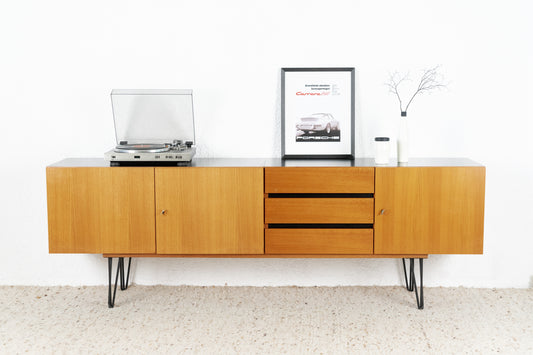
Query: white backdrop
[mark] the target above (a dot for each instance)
(60, 59)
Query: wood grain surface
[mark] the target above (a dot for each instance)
(319, 180)
(209, 210)
(101, 210)
(267, 256)
(319, 210)
(318, 241)
(429, 210)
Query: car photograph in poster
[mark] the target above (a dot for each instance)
(317, 113)
(318, 127)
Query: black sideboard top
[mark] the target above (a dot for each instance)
(277, 162)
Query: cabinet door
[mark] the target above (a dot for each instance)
(209, 210)
(101, 210)
(429, 210)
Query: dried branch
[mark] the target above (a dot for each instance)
(429, 81)
(394, 81)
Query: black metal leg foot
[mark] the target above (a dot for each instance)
(112, 290)
(124, 282)
(410, 284)
(408, 280)
(111, 295)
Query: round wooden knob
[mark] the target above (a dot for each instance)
(163, 212)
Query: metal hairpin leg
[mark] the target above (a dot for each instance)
(123, 282)
(410, 284)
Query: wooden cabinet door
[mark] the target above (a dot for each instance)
(429, 210)
(208, 210)
(101, 210)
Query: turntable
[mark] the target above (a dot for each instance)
(152, 127)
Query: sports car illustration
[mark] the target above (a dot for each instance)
(318, 122)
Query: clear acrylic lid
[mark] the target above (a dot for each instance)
(153, 116)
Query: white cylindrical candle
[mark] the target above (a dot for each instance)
(382, 150)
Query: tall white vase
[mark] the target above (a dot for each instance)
(403, 140)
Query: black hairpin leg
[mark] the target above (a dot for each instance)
(123, 282)
(410, 284)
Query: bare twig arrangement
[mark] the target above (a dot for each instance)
(430, 81)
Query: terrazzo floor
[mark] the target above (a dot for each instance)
(266, 320)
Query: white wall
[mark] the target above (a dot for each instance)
(60, 59)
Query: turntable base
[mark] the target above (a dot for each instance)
(153, 155)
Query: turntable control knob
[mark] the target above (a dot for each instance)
(164, 212)
(188, 144)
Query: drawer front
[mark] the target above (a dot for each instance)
(319, 210)
(319, 180)
(318, 241)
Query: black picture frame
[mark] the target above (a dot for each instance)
(349, 151)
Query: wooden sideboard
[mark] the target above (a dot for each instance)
(267, 208)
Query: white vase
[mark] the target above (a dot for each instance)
(403, 140)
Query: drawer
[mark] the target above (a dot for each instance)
(319, 210)
(319, 241)
(319, 180)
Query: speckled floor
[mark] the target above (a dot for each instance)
(274, 320)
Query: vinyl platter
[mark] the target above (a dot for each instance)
(142, 148)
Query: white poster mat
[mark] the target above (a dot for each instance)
(318, 98)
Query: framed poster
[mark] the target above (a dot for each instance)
(317, 113)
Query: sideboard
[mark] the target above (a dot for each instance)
(267, 208)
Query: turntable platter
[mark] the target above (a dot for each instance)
(142, 148)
